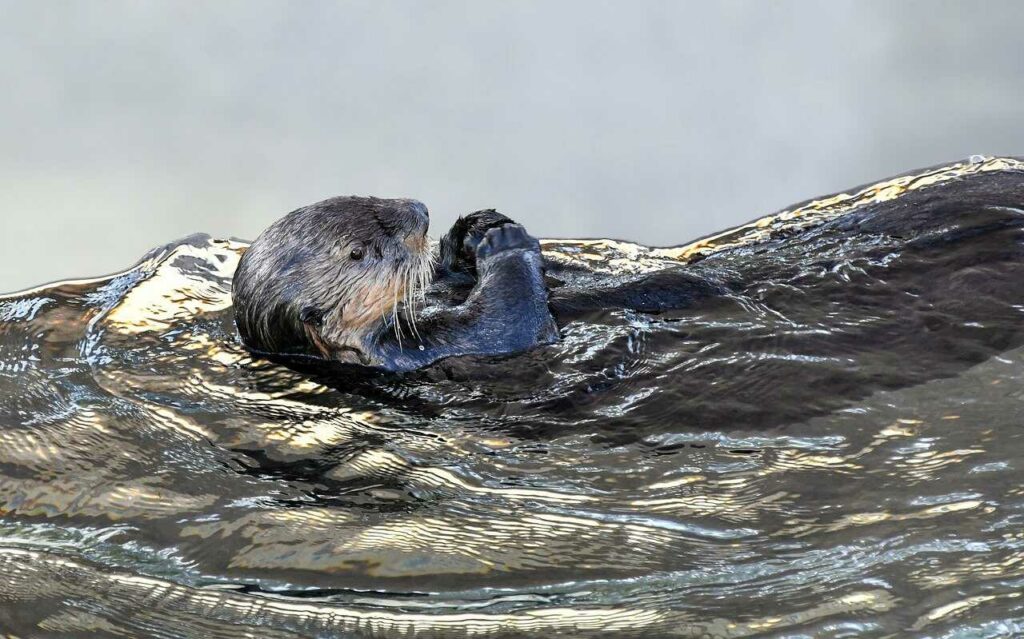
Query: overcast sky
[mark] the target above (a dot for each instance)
(125, 125)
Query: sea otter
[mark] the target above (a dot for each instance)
(353, 280)
(344, 279)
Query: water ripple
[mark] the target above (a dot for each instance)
(832, 452)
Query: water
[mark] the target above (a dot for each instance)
(833, 452)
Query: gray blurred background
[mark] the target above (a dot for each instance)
(124, 125)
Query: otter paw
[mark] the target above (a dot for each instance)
(507, 237)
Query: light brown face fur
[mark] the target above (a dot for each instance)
(367, 303)
(372, 301)
(326, 279)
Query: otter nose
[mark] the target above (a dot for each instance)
(418, 217)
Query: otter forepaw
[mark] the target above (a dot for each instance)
(503, 238)
(458, 247)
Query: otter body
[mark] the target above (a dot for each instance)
(353, 281)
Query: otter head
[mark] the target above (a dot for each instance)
(321, 280)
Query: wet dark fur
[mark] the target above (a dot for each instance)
(492, 292)
(295, 290)
(298, 288)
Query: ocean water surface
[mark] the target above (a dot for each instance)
(835, 452)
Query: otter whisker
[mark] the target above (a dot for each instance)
(412, 293)
(384, 324)
(419, 279)
(394, 325)
(396, 291)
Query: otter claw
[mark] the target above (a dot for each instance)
(507, 237)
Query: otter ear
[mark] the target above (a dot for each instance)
(312, 319)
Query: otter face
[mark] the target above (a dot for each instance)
(320, 280)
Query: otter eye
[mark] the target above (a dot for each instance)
(357, 253)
